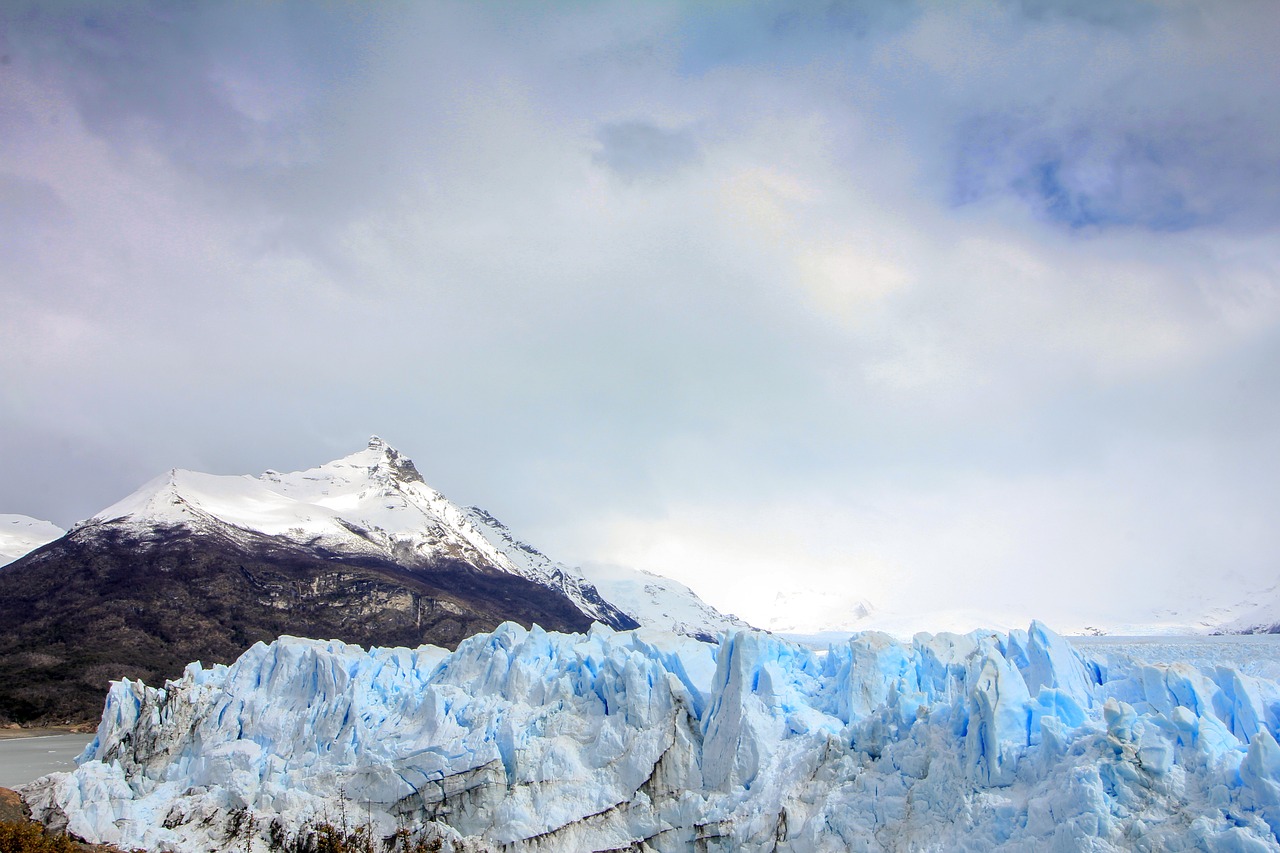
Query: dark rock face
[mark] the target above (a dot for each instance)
(108, 602)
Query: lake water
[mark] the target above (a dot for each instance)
(25, 759)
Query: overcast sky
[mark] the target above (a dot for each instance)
(966, 305)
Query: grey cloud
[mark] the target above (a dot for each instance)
(637, 150)
(215, 88)
(33, 222)
(783, 34)
(23, 198)
(28, 206)
(397, 223)
(1123, 15)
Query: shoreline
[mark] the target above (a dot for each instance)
(48, 731)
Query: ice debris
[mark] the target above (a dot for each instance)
(645, 740)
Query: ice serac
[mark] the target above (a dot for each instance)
(22, 534)
(375, 503)
(527, 740)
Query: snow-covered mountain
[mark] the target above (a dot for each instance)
(522, 740)
(197, 566)
(1259, 614)
(374, 502)
(22, 534)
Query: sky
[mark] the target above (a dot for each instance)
(938, 307)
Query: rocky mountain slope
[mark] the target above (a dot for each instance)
(197, 566)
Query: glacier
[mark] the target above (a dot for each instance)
(647, 740)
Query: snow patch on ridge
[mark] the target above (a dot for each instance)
(659, 602)
(22, 534)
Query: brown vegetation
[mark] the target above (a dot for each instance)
(26, 836)
(31, 838)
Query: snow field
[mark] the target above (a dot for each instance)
(21, 534)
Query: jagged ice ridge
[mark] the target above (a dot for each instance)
(526, 740)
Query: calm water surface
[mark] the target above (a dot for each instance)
(24, 759)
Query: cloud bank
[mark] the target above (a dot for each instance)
(934, 305)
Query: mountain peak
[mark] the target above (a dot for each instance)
(400, 467)
(374, 503)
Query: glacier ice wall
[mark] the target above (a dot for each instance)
(643, 740)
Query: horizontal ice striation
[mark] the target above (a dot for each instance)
(644, 740)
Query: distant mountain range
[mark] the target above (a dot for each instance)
(199, 566)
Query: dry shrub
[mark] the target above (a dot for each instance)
(31, 838)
